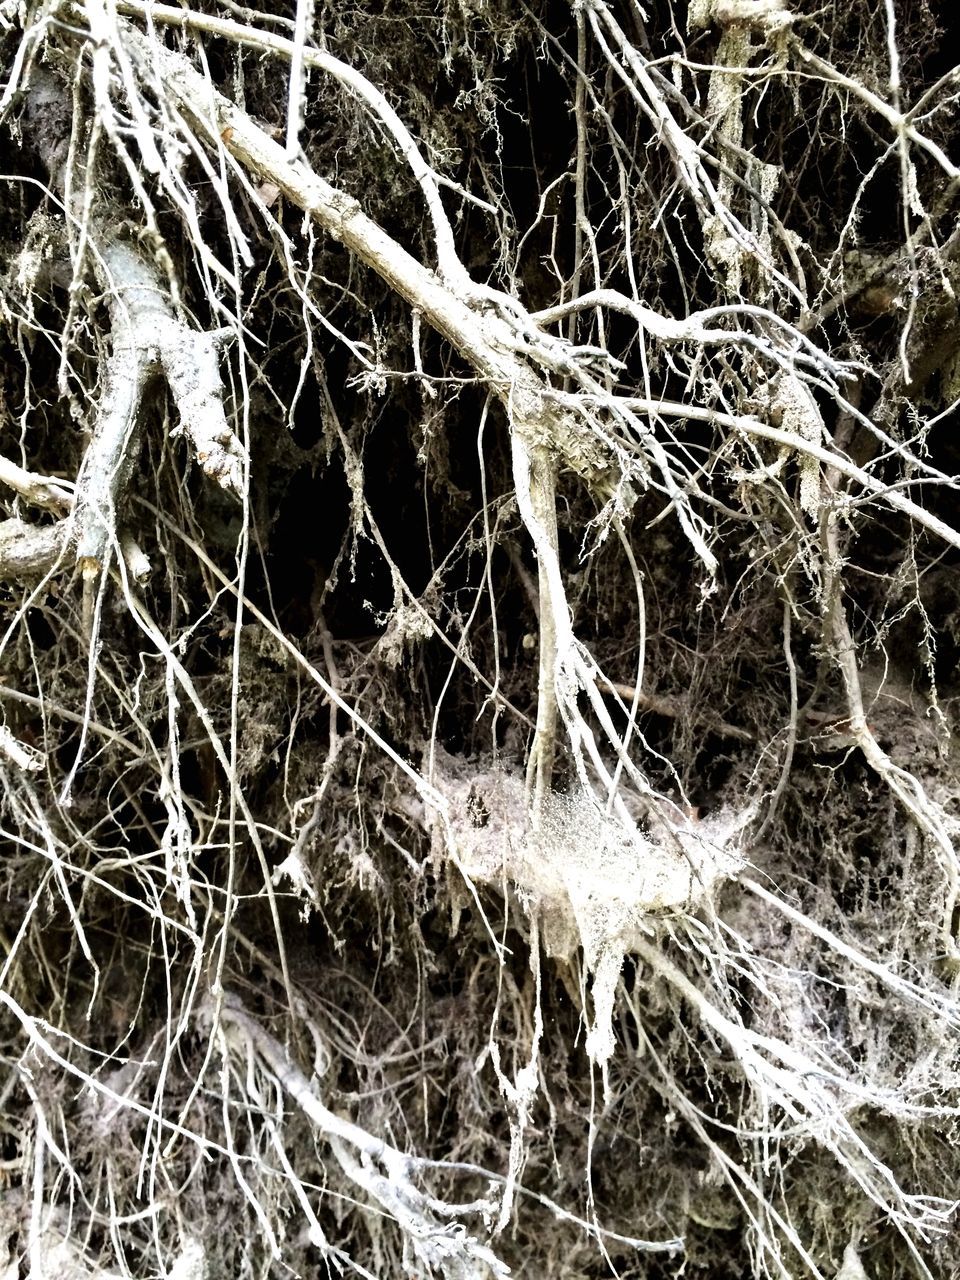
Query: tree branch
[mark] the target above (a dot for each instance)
(148, 338)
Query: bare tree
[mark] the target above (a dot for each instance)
(480, 610)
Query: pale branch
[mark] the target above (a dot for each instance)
(900, 122)
(427, 179)
(38, 491)
(298, 79)
(20, 754)
(135, 558)
(696, 328)
(29, 550)
(137, 312)
(148, 338)
(751, 426)
(496, 337)
(815, 1091)
(383, 1171)
(535, 481)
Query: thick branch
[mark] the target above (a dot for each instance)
(39, 491)
(485, 340)
(29, 551)
(450, 265)
(147, 338)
